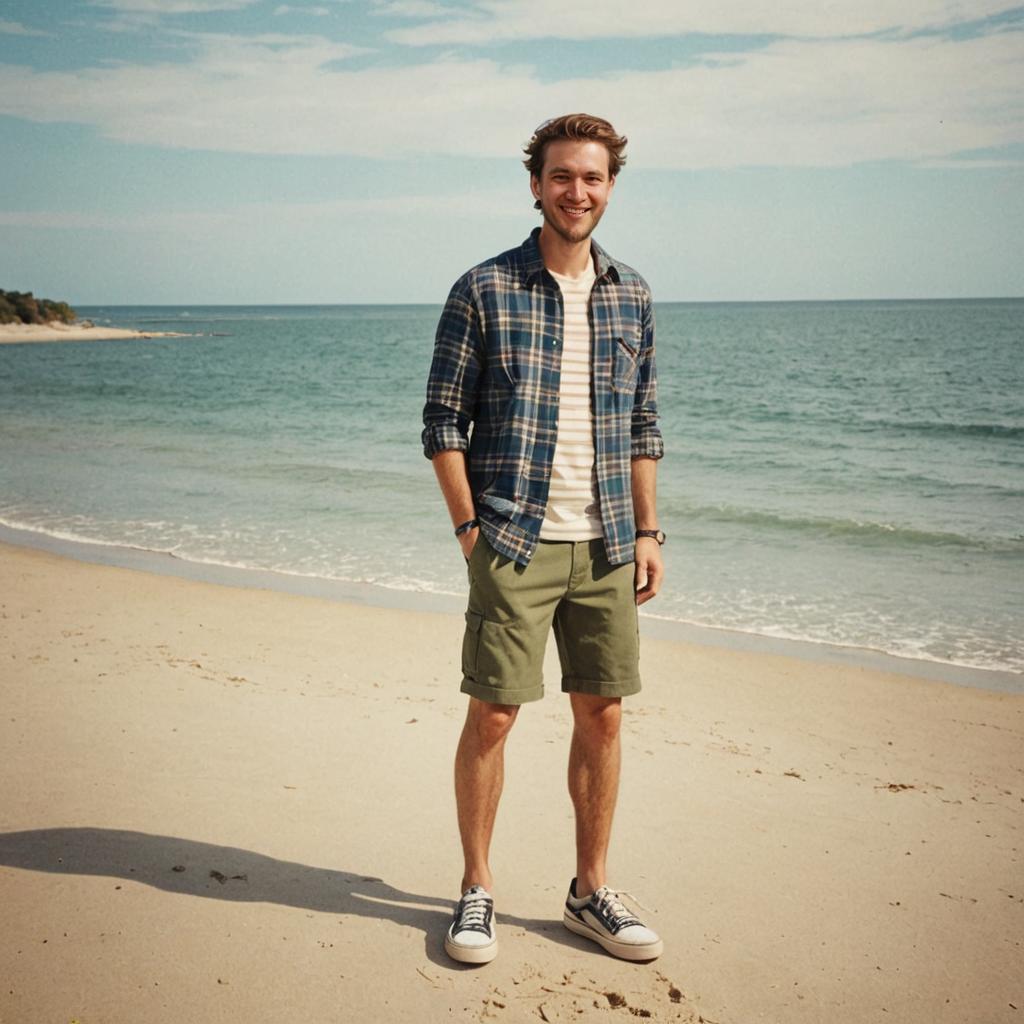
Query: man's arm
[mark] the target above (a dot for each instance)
(450, 468)
(645, 437)
(451, 396)
(646, 447)
(454, 370)
(650, 570)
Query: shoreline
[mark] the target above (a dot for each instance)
(18, 334)
(377, 596)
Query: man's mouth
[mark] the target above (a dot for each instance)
(575, 211)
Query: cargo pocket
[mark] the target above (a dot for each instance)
(471, 645)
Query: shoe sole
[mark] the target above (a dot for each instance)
(623, 950)
(471, 954)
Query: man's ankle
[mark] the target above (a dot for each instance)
(586, 884)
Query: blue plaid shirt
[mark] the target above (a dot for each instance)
(497, 365)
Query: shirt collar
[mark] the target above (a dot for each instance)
(533, 262)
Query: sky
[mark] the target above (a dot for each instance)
(350, 151)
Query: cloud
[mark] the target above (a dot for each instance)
(13, 28)
(173, 6)
(491, 21)
(319, 12)
(411, 9)
(790, 103)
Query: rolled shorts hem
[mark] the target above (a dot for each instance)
(601, 687)
(500, 694)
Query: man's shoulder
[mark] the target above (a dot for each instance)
(626, 276)
(500, 270)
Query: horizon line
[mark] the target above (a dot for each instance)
(657, 302)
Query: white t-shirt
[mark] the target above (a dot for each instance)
(573, 509)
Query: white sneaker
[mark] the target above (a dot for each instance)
(603, 917)
(471, 938)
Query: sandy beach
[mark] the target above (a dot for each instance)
(232, 804)
(17, 334)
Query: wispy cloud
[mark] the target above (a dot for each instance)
(13, 28)
(790, 103)
(412, 9)
(173, 6)
(319, 12)
(488, 21)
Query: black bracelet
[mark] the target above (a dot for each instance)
(468, 525)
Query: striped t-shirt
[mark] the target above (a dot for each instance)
(573, 509)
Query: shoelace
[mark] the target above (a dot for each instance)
(610, 903)
(473, 912)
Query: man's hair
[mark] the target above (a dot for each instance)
(577, 128)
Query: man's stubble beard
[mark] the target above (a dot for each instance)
(581, 234)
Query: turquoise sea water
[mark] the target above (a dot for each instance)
(850, 472)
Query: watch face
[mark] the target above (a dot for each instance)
(658, 535)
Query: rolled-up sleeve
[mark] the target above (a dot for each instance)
(645, 441)
(454, 372)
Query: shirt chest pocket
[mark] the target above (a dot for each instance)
(625, 362)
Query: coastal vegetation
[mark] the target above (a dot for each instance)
(25, 308)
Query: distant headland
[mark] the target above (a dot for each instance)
(25, 308)
(24, 318)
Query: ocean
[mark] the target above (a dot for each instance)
(845, 473)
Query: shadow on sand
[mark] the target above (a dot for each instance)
(192, 868)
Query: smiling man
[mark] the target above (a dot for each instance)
(541, 422)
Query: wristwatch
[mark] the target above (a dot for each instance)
(658, 535)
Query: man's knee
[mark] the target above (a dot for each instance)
(490, 722)
(597, 718)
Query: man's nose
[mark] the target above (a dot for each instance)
(577, 190)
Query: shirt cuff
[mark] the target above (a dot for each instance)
(443, 437)
(649, 446)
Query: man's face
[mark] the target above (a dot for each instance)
(573, 188)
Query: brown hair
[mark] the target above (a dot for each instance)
(578, 128)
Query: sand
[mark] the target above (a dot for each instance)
(16, 334)
(231, 804)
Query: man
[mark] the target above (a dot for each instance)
(547, 352)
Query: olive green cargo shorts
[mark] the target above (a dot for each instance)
(570, 585)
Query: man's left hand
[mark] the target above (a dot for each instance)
(650, 570)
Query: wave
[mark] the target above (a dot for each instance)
(866, 531)
(396, 583)
(944, 428)
(907, 649)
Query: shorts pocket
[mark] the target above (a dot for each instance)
(471, 644)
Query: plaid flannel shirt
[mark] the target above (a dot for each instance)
(497, 366)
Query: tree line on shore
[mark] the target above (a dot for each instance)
(25, 308)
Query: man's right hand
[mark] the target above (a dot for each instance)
(467, 541)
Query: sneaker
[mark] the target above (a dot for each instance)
(603, 917)
(471, 938)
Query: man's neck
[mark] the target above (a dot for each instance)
(569, 259)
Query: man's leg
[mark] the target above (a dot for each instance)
(595, 758)
(479, 774)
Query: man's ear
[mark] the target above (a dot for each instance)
(535, 186)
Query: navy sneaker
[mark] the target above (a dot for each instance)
(471, 938)
(603, 917)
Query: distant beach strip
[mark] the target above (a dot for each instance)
(18, 334)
